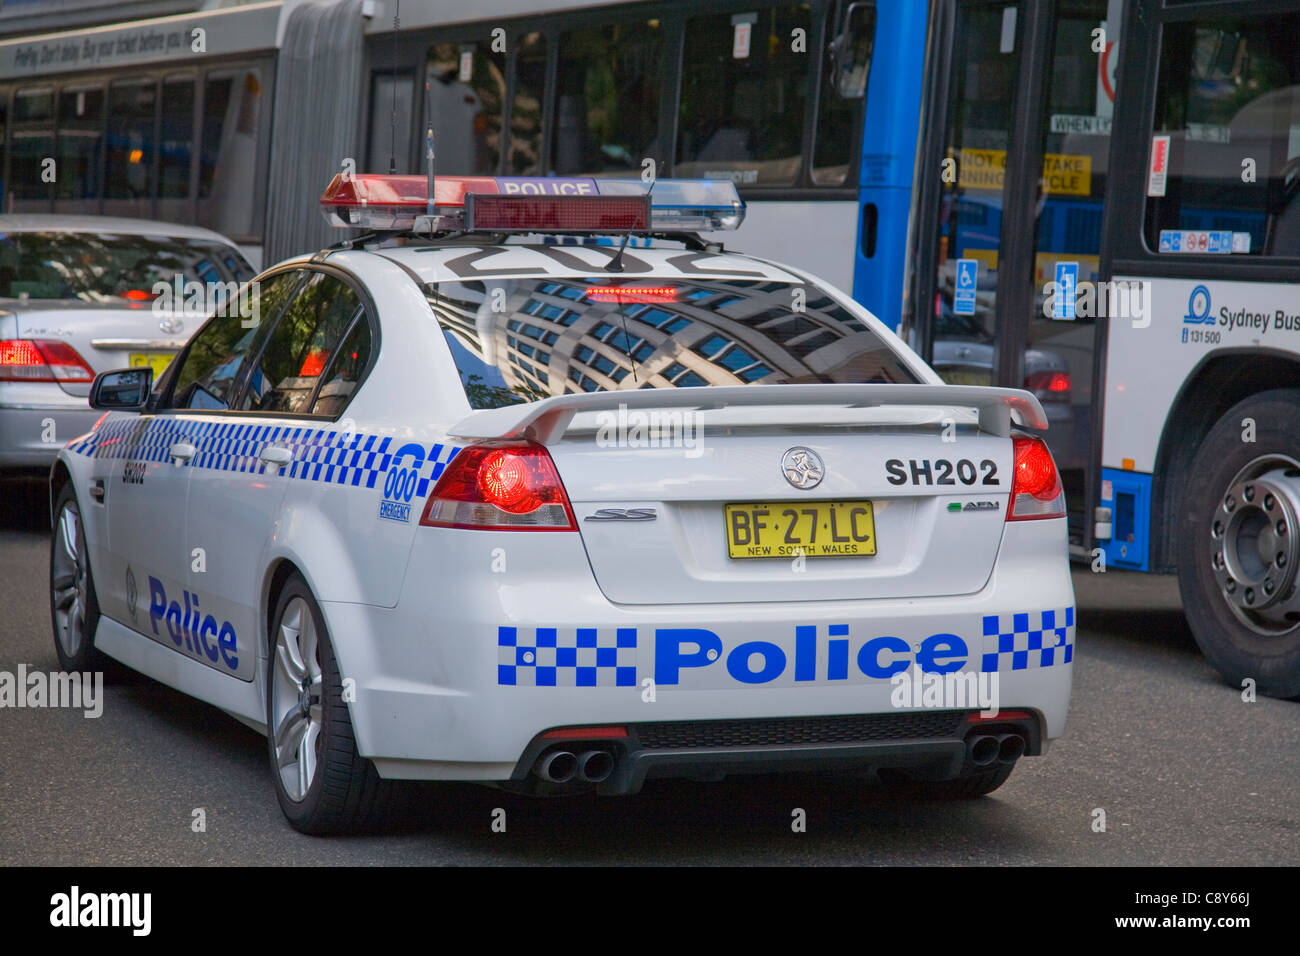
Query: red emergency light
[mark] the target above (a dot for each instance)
(622, 294)
(562, 214)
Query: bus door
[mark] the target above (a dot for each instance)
(1009, 203)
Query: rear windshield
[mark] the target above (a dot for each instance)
(96, 267)
(519, 340)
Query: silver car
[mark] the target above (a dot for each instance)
(83, 294)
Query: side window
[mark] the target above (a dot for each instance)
(607, 99)
(211, 364)
(344, 373)
(313, 324)
(1228, 126)
(743, 95)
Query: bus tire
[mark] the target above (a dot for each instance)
(1238, 544)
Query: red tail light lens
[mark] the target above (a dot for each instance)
(504, 487)
(35, 360)
(1036, 490)
(1049, 386)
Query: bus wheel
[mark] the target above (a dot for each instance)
(1239, 544)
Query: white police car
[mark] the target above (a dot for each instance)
(556, 515)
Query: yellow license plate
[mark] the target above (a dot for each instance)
(816, 529)
(158, 361)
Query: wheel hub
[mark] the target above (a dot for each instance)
(1255, 546)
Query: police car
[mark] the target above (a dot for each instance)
(537, 485)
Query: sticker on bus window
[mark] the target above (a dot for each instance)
(1067, 284)
(963, 296)
(1158, 175)
(743, 26)
(1217, 242)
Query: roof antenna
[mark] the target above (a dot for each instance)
(431, 202)
(392, 142)
(616, 264)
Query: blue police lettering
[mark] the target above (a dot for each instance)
(184, 628)
(760, 662)
(869, 657)
(669, 658)
(941, 646)
(739, 659)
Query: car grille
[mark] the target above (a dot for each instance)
(858, 728)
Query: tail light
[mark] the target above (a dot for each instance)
(1049, 386)
(503, 487)
(37, 360)
(1036, 490)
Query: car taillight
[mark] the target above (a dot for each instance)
(1049, 386)
(37, 360)
(1036, 490)
(500, 486)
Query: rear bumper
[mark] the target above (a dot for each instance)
(446, 689)
(31, 433)
(928, 744)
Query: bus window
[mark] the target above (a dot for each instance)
(390, 113)
(1228, 100)
(32, 142)
(176, 148)
(965, 330)
(607, 101)
(525, 140)
(467, 90)
(744, 91)
(229, 151)
(846, 67)
(81, 125)
(1074, 130)
(128, 175)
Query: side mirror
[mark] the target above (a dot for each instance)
(126, 389)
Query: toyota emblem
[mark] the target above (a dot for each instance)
(170, 324)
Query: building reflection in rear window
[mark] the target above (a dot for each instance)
(519, 340)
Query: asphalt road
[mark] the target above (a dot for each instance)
(1186, 772)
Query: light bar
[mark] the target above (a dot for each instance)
(536, 204)
(485, 212)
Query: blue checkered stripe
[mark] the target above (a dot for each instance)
(1008, 638)
(568, 657)
(319, 454)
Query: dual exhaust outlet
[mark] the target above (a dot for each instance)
(590, 766)
(987, 748)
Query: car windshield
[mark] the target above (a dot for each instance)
(99, 266)
(519, 340)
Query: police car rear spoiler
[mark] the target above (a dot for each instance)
(545, 421)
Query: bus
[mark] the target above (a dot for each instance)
(1106, 205)
(241, 131)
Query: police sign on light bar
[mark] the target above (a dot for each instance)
(531, 204)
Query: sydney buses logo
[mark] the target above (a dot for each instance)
(1198, 307)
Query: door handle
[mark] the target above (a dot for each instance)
(275, 455)
(181, 451)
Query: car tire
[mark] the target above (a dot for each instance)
(308, 720)
(1228, 549)
(74, 606)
